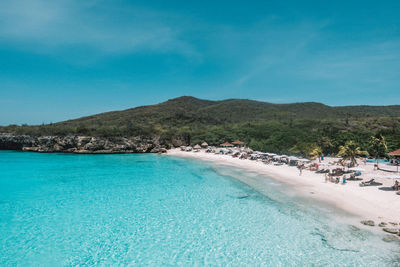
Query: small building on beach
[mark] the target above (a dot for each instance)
(226, 144)
(238, 143)
(395, 153)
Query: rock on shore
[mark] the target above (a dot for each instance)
(82, 144)
(368, 222)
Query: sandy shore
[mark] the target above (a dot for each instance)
(365, 202)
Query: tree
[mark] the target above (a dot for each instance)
(350, 151)
(326, 144)
(186, 133)
(378, 146)
(309, 150)
(316, 153)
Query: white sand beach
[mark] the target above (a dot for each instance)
(368, 202)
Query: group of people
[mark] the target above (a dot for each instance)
(329, 178)
(335, 176)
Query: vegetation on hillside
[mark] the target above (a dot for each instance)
(309, 129)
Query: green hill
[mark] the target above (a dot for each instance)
(186, 109)
(265, 126)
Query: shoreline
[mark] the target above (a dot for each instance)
(365, 203)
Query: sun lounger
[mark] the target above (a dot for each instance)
(370, 183)
(354, 179)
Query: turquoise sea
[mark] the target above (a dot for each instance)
(158, 210)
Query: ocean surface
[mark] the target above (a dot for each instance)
(158, 210)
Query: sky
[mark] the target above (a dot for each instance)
(64, 59)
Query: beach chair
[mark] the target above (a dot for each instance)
(370, 183)
(352, 178)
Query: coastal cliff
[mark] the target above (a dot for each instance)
(82, 144)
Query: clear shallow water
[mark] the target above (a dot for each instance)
(382, 161)
(60, 209)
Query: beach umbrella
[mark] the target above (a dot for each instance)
(304, 160)
(336, 167)
(248, 150)
(378, 175)
(393, 176)
(357, 169)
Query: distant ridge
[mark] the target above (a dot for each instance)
(186, 109)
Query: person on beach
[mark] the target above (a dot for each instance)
(301, 170)
(396, 186)
(344, 180)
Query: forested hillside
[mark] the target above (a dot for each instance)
(264, 126)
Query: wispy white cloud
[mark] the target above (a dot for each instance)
(360, 67)
(300, 56)
(47, 26)
(267, 46)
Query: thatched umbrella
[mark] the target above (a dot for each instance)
(204, 145)
(357, 169)
(197, 146)
(248, 150)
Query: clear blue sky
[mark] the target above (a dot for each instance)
(64, 59)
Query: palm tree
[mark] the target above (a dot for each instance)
(309, 150)
(378, 146)
(350, 151)
(316, 152)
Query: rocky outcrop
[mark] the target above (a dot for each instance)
(391, 230)
(179, 141)
(368, 222)
(82, 144)
(391, 238)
